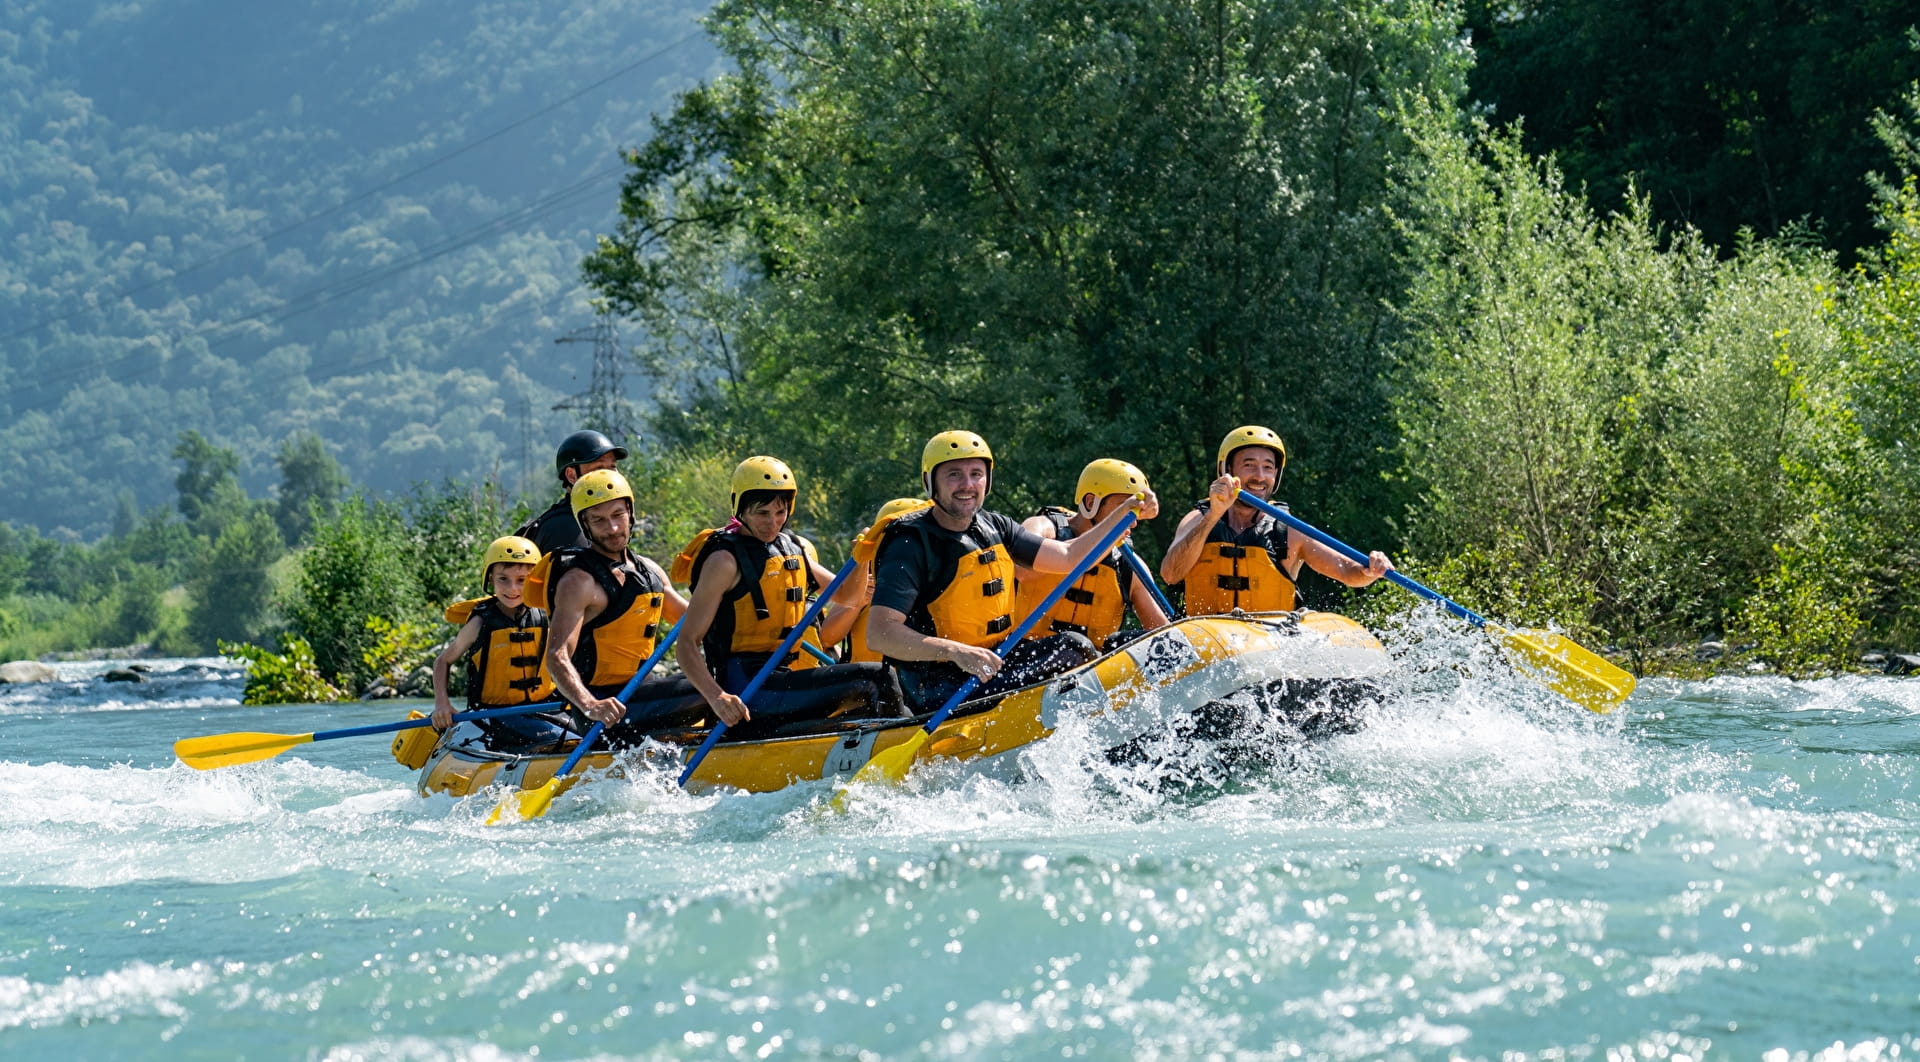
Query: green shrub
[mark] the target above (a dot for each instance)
(289, 678)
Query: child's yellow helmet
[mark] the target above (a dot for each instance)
(507, 549)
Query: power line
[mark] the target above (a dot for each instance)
(363, 196)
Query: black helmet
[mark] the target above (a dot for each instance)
(584, 446)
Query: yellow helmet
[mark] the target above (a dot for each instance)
(898, 506)
(761, 473)
(868, 541)
(508, 549)
(598, 487)
(1103, 477)
(953, 446)
(1250, 435)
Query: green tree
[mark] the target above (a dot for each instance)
(311, 483)
(231, 586)
(208, 484)
(1726, 115)
(1083, 228)
(356, 567)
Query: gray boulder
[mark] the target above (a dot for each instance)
(27, 671)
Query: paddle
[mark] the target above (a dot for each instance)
(1578, 674)
(533, 803)
(225, 750)
(892, 764)
(766, 669)
(1141, 573)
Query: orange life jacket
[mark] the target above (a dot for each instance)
(1095, 605)
(613, 644)
(766, 600)
(976, 607)
(506, 666)
(1240, 570)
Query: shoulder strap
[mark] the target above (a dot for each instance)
(538, 580)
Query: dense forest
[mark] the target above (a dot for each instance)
(1586, 325)
(360, 219)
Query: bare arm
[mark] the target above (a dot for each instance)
(717, 574)
(1331, 564)
(836, 620)
(1041, 526)
(1191, 536)
(674, 606)
(889, 635)
(576, 600)
(462, 643)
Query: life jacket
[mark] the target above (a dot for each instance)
(858, 652)
(766, 600)
(506, 665)
(865, 547)
(976, 607)
(613, 644)
(1240, 570)
(1095, 605)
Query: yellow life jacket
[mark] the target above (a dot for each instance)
(506, 665)
(1095, 605)
(858, 651)
(766, 600)
(865, 547)
(976, 606)
(613, 644)
(1240, 571)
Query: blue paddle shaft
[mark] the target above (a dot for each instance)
(766, 669)
(1141, 573)
(410, 724)
(593, 732)
(1360, 558)
(1104, 547)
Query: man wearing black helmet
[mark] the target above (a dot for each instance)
(580, 453)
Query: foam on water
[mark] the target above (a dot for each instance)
(1481, 871)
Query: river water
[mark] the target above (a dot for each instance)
(1722, 869)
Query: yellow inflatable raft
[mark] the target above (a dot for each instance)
(1182, 666)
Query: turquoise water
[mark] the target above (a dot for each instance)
(1724, 869)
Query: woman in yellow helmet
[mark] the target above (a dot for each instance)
(1230, 556)
(1096, 605)
(943, 594)
(749, 583)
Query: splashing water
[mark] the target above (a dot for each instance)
(1720, 869)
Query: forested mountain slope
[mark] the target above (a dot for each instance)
(362, 217)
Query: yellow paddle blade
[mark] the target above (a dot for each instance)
(225, 750)
(1569, 669)
(528, 804)
(888, 766)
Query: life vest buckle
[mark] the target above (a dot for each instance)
(1063, 627)
(1236, 583)
(520, 636)
(1079, 596)
(988, 556)
(791, 564)
(1235, 552)
(992, 587)
(999, 623)
(796, 594)
(523, 661)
